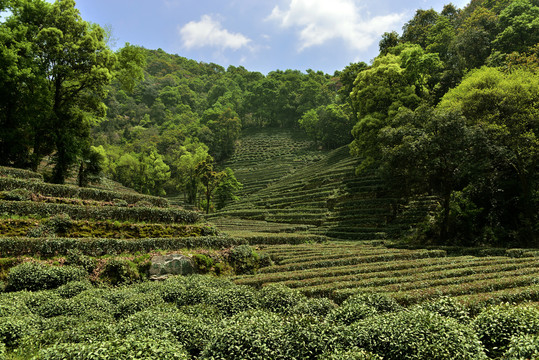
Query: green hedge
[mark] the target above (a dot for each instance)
(97, 247)
(78, 192)
(35, 276)
(19, 173)
(279, 239)
(78, 212)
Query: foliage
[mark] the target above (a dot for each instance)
(522, 347)
(496, 325)
(226, 190)
(98, 247)
(401, 335)
(128, 348)
(35, 276)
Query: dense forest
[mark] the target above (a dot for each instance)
(448, 108)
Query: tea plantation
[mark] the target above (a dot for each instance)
(302, 267)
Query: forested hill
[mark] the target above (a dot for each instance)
(448, 109)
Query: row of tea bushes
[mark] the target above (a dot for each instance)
(19, 173)
(206, 318)
(63, 226)
(147, 214)
(71, 191)
(47, 247)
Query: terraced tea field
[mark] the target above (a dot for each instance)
(326, 196)
(338, 270)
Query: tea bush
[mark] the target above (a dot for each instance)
(14, 173)
(314, 307)
(128, 348)
(12, 329)
(522, 347)
(448, 307)
(496, 325)
(416, 334)
(279, 298)
(349, 313)
(252, 335)
(35, 276)
(352, 354)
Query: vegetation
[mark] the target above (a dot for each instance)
(423, 165)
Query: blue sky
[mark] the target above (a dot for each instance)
(261, 35)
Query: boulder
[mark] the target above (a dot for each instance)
(174, 264)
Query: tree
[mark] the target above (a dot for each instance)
(506, 105)
(429, 152)
(91, 166)
(520, 27)
(227, 189)
(77, 65)
(209, 178)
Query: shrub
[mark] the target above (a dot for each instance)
(349, 313)
(252, 335)
(244, 259)
(279, 298)
(193, 333)
(149, 214)
(522, 347)
(352, 354)
(19, 173)
(136, 303)
(381, 302)
(498, 324)
(35, 276)
(131, 347)
(203, 263)
(12, 329)
(2, 351)
(416, 334)
(119, 271)
(448, 307)
(97, 247)
(70, 191)
(314, 307)
(16, 195)
(77, 258)
(233, 300)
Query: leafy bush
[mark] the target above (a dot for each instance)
(498, 324)
(252, 335)
(119, 271)
(233, 300)
(35, 276)
(244, 259)
(314, 307)
(70, 191)
(16, 246)
(193, 333)
(448, 307)
(16, 195)
(2, 351)
(128, 348)
(19, 173)
(136, 303)
(352, 354)
(523, 347)
(382, 303)
(349, 313)
(416, 334)
(12, 329)
(150, 214)
(279, 298)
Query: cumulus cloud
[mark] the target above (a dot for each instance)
(320, 21)
(209, 33)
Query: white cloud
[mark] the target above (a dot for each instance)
(209, 33)
(320, 21)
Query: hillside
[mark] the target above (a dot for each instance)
(323, 197)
